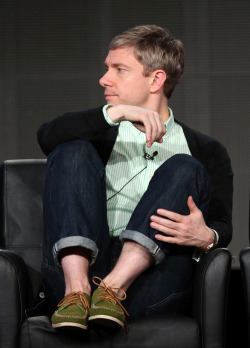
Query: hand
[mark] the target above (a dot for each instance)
(187, 230)
(149, 122)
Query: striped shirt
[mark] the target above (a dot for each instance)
(128, 172)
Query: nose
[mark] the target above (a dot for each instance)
(106, 80)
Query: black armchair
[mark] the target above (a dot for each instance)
(245, 272)
(23, 319)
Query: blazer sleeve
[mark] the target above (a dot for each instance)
(221, 197)
(87, 125)
(213, 155)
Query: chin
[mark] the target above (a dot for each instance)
(113, 101)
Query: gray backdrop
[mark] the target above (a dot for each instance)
(51, 58)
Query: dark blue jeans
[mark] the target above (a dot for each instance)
(75, 214)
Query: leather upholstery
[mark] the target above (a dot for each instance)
(245, 271)
(170, 332)
(21, 196)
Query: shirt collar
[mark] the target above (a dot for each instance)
(169, 124)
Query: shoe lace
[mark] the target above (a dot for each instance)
(109, 295)
(75, 299)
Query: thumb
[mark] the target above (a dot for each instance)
(191, 205)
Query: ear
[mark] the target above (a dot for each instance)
(158, 79)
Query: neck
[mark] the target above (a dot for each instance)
(161, 106)
(164, 112)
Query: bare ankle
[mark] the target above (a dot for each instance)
(75, 264)
(78, 286)
(133, 261)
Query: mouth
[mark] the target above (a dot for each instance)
(109, 95)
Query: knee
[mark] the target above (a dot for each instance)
(186, 162)
(181, 165)
(76, 151)
(73, 161)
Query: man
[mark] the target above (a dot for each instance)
(131, 194)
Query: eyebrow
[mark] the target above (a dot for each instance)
(115, 65)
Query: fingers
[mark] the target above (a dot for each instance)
(170, 215)
(189, 230)
(168, 223)
(167, 232)
(162, 224)
(170, 235)
(191, 205)
(156, 128)
(168, 227)
(153, 125)
(169, 240)
(145, 120)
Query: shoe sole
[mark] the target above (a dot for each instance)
(70, 326)
(106, 320)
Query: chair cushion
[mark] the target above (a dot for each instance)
(173, 331)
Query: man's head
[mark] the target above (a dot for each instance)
(155, 48)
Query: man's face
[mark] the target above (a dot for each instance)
(124, 81)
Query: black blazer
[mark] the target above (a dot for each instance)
(91, 125)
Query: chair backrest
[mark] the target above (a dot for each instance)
(21, 213)
(245, 272)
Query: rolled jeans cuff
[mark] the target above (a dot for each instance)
(75, 241)
(146, 242)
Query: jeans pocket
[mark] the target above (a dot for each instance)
(174, 303)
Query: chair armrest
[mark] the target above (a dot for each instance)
(245, 272)
(210, 296)
(13, 286)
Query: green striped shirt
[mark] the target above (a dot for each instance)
(128, 173)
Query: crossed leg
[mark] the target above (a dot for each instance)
(75, 244)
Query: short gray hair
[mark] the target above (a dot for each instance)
(155, 48)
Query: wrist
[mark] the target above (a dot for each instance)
(115, 113)
(212, 242)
